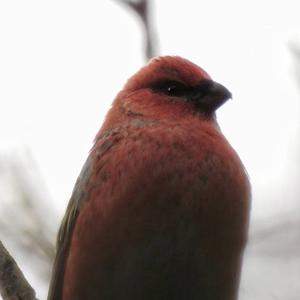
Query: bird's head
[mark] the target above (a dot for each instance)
(171, 87)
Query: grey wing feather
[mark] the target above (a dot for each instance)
(65, 233)
(102, 145)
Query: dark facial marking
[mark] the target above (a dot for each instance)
(207, 96)
(171, 88)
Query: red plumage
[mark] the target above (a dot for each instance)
(161, 207)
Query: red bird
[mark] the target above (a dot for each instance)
(160, 210)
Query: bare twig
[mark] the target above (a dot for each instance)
(25, 200)
(268, 230)
(13, 285)
(142, 9)
(295, 50)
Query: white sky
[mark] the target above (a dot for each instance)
(62, 63)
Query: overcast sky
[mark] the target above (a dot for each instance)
(62, 63)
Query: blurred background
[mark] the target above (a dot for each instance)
(62, 63)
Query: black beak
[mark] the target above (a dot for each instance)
(209, 95)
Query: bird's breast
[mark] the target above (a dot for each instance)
(166, 218)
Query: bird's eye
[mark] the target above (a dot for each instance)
(174, 89)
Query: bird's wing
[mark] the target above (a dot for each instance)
(79, 196)
(65, 233)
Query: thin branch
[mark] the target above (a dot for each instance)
(26, 201)
(13, 285)
(142, 10)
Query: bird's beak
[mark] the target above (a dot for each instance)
(210, 95)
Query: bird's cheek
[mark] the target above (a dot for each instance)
(131, 109)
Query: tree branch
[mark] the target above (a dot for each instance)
(142, 10)
(13, 285)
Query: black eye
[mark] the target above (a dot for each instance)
(170, 88)
(174, 90)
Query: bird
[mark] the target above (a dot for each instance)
(161, 208)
